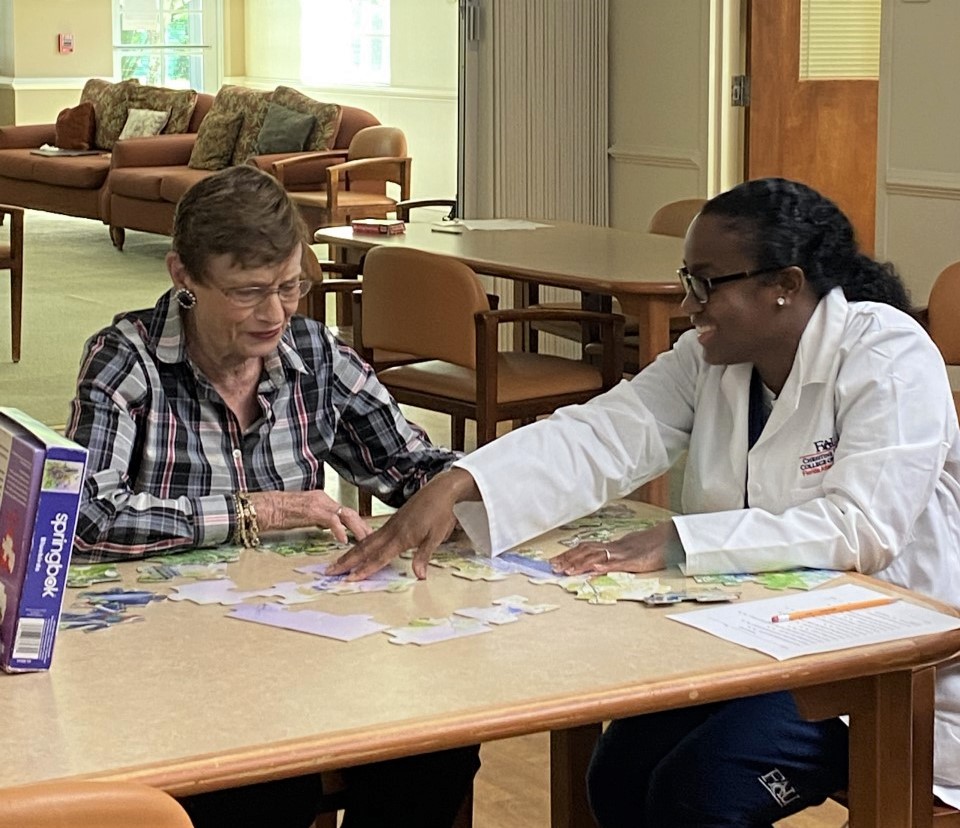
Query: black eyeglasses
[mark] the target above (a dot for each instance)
(700, 286)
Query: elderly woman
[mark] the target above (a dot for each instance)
(208, 419)
(820, 431)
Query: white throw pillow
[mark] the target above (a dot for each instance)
(142, 123)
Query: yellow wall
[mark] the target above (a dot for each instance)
(37, 26)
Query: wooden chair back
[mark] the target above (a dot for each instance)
(423, 304)
(90, 805)
(11, 258)
(377, 142)
(673, 218)
(943, 313)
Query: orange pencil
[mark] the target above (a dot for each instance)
(814, 612)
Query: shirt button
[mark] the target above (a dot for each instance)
(237, 453)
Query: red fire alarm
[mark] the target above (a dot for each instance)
(65, 43)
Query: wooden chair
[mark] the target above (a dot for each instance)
(356, 188)
(90, 805)
(435, 308)
(674, 217)
(11, 258)
(942, 320)
(943, 815)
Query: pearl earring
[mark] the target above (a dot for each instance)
(781, 301)
(185, 298)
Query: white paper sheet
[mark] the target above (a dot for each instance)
(749, 623)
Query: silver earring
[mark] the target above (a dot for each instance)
(780, 301)
(185, 298)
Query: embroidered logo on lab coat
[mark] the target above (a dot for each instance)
(820, 460)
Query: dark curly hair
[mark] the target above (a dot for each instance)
(785, 223)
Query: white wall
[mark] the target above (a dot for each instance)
(918, 164)
(422, 97)
(659, 94)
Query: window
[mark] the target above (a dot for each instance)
(839, 40)
(170, 43)
(345, 42)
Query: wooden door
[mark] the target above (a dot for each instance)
(820, 132)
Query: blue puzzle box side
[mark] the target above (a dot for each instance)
(41, 591)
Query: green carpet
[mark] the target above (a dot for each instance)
(74, 283)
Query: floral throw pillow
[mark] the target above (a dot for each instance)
(144, 123)
(216, 138)
(75, 127)
(179, 102)
(110, 104)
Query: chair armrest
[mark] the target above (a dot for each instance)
(303, 168)
(337, 286)
(610, 325)
(16, 228)
(371, 167)
(27, 136)
(404, 207)
(154, 151)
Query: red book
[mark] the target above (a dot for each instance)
(383, 227)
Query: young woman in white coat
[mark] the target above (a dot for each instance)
(820, 431)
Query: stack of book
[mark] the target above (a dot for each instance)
(41, 475)
(385, 227)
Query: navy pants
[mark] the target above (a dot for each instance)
(744, 763)
(422, 791)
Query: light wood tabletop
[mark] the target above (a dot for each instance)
(638, 268)
(190, 700)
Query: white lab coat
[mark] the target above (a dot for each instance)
(858, 467)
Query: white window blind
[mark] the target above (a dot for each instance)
(839, 39)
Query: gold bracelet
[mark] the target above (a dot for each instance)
(248, 529)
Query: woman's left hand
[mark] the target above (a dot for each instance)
(644, 551)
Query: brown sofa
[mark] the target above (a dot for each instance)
(71, 186)
(138, 184)
(148, 176)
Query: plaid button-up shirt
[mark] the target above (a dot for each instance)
(166, 453)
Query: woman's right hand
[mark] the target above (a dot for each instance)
(295, 510)
(421, 524)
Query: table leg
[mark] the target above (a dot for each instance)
(891, 744)
(570, 752)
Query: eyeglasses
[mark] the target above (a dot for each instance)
(250, 297)
(701, 286)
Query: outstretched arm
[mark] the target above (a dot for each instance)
(421, 524)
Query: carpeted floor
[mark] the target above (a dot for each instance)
(75, 281)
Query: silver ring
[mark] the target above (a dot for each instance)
(339, 510)
(606, 552)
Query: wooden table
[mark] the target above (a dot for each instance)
(189, 700)
(638, 268)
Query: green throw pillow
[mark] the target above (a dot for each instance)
(216, 138)
(284, 130)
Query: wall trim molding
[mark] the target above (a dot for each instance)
(655, 157)
(397, 92)
(40, 84)
(922, 184)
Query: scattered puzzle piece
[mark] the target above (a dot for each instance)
(216, 592)
(424, 631)
(82, 575)
(326, 624)
(97, 618)
(118, 598)
(156, 573)
(392, 578)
